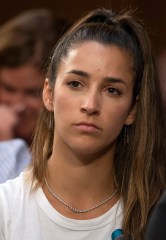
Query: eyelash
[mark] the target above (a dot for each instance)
(114, 91)
(71, 84)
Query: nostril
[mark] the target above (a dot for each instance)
(90, 111)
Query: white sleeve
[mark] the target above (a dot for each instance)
(9, 206)
(2, 219)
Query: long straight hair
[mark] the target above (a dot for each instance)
(140, 166)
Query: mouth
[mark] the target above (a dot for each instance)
(87, 127)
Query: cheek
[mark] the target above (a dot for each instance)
(121, 112)
(62, 105)
(117, 113)
(113, 122)
(5, 96)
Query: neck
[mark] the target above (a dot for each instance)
(82, 180)
(81, 176)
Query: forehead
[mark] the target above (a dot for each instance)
(21, 77)
(94, 57)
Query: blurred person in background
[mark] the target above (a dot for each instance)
(25, 45)
(156, 228)
(161, 67)
(14, 157)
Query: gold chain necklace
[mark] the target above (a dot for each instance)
(78, 210)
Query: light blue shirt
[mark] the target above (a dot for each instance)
(14, 157)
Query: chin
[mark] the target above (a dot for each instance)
(93, 149)
(87, 150)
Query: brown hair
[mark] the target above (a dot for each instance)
(140, 166)
(30, 37)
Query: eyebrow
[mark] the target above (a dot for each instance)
(115, 80)
(87, 75)
(13, 88)
(80, 73)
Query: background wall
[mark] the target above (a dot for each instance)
(153, 12)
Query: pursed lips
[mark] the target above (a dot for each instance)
(87, 127)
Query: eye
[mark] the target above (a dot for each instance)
(74, 84)
(7, 87)
(113, 91)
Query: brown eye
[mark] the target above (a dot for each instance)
(74, 84)
(113, 91)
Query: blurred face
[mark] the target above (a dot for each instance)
(92, 97)
(20, 90)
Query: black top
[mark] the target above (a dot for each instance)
(156, 229)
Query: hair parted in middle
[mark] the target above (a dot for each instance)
(140, 165)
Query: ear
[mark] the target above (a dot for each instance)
(47, 95)
(131, 117)
(132, 114)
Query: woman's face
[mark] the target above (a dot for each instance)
(92, 97)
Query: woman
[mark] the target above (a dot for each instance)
(98, 155)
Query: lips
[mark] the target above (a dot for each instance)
(87, 127)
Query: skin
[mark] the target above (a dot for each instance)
(19, 101)
(7, 122)
(97, 89)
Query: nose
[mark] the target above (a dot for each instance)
(15, 97)
(90, 104)
(19, 108)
